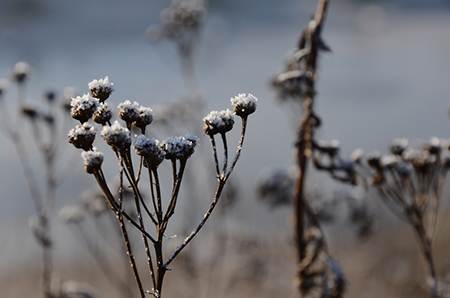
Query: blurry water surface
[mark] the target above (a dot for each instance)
(388, 76)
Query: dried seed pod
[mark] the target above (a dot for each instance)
(101, 88)
(218, 122)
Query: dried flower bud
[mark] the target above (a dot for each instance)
(398, 146)
(50, 96)
(357, 155)
(82, 136)
(21, 72)
(103, 114)
(434, 146)
(178, 147)
(218, 122)
(128, 111)
(83, 107)
(71, 214)
(244, 104)
(331, 148)
(374, 160)
(101, 88)
(145, 117)
(30, 112)
(117, 136)
(150, 149)
(92, 160)
(389, 161)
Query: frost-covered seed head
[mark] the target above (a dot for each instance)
(50, 96)
(71, 214)
(30, 112)
(434, 146)
(244, 104)
(128, 111)
(117, 136)
(178, 147)
(101, 88)
(92, 160)
(83, 107)
(145, 117)
(218, 122)
(103, 114)
(374, 160)
(357, 155)
(82, 136)
(150, 149)
(390, 161)
(399, 145)
(21, 72)
(329, 147)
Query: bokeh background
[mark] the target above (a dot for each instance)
(386, 77)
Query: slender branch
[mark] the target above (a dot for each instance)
(216, 160)
(225, 148)
(239, 146)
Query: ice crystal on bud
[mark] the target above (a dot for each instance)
(128, 111)
(218, 122)
(21, 71)
(389, 161)
(145, 117)
(83, 107)
(103, 114)
(82, 136)
(92, 160)
(244, 104)
(101, 88)
(117, 136)
(178, 147)
(150, 149)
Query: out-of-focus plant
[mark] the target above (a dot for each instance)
(23, 123)
(151, 154)
(93, 212)
(318, 274)
(410, 182)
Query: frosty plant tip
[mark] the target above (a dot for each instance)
(91, 109)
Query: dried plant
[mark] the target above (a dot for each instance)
(93, 212)
(22, 121)
(317, 276)
(410, 181)
(151, 153)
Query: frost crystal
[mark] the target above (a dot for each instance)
(92, 160)
(178, 147)
(101, 88)
(145, 117)
(103, 114)
(244, 104)
(117, 136)
(150, 149)
(128, 111)
(218, 122)
(83, 107)
(82, 136)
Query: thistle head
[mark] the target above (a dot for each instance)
(244, 104)
(83, 107)
(82, 136)
(117, 136)
(218, 122)
(101, 88)
(92, 160)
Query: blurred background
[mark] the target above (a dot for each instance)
(386, 77)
